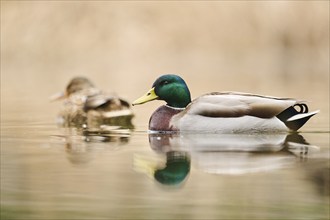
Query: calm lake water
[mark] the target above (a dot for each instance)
(275, 48)
(49, 172)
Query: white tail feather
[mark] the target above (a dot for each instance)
(303, 115)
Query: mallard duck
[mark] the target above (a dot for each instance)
(86, 105)
(223, 112)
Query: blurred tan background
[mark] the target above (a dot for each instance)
(267, 47)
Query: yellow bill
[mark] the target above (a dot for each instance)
(149, 96)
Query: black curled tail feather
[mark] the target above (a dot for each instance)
(303, 107)
(288, 113)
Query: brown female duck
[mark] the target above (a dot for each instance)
(85, 105)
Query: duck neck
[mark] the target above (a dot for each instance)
(175, 108)
(179, 99)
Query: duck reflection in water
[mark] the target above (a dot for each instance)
(87, 106)
(172, 171)
(231, 154)
(176, 169)
(83, 145)
(89, 118)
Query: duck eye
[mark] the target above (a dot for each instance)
(165, 82)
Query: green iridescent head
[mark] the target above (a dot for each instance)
(170, 88)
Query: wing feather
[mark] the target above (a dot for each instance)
(232, 104)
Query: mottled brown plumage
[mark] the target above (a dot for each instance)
(85, 105)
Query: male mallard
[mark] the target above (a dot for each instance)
(87, 105)
(224, 112)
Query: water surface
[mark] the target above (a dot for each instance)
(49, 172)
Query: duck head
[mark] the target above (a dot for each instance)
(78, 84)
(170, 88)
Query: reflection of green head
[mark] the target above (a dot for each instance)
(176, 170)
